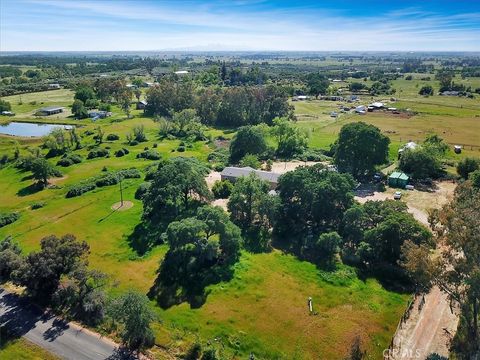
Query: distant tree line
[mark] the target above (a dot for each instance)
(233, 106)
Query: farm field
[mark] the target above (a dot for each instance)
(457, 123)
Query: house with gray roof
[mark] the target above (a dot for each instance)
(232, 173)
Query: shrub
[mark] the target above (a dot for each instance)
(79, 189)
(218, 167)
(475, 178)
(104, 107)
(222, 189)
(314, 155)
(65, 162)
(181, 149)
(37, 205)
(121, 152)
(250, 160)
(139, 133)
(131, 173)
(107, 180)
(150, 155)
(112, 137)
(69, 159)
(142, 190)
(8, 218)
(133, 143)
(155, 145)
(426, 90)
(467, 166)
(98, 152)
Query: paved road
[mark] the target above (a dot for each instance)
(66, 340)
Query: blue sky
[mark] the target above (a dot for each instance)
(104, 25)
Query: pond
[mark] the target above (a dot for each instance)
(29, 129)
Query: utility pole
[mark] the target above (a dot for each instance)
(121, 190)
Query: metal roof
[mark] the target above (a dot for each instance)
(51, 108)
(236, 172)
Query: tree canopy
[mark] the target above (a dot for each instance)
(247, 140)
(42, 270)
(176, 185)
(312, 200)
(201, 251)
(359, 148)
(133, 311)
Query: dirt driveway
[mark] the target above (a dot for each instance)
(430, 327)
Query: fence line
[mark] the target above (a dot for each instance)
(387, 355)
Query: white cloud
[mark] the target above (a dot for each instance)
(105, 25)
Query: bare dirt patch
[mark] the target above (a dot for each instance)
(282, 167)
(221, 202)
(122, 207)
(212, 177)
(55, 181)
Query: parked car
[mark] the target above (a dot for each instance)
(397, 195)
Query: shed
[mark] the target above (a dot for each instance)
(49, 110)
(398, 180)
(141, 105)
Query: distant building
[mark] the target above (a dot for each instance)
(300, 98)
(332, 98)
(7, 113)
(376, 106)
(362, 109)
(54, 86)
(141, 105)
(49, 110)
(450, 93)
(181, 72)
(95, 115)
(398, 180)
(408, 146)
(233, 173)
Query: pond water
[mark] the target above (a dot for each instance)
(29, 129)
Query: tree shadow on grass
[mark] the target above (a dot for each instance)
(180, 280)
(392, 278)
(30, 190)
(27, 177)
(144, 237)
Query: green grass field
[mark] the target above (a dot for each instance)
(21, 349)
(263, 309)
(456, 120)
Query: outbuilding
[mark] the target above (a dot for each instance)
(398, 180)
(49, 110)
(141, 105)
